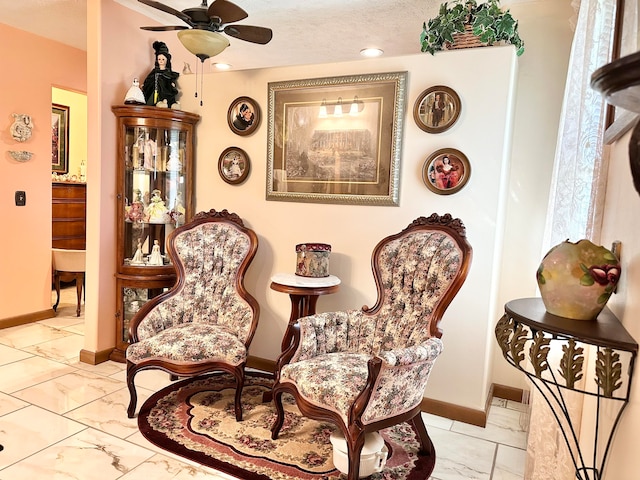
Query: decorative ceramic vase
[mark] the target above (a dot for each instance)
(577, 279)
(312, 259)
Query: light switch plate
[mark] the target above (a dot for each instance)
(21, 198)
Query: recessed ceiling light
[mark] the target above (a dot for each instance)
(371, 52)
(222, 66)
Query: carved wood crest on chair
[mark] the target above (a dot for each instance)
(367, 369)
(207, 320)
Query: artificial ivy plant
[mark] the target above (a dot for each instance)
(489, 22)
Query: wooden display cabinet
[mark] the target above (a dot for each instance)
(155, 168)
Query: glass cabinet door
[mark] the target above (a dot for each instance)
(154, 192)
(133, 299)
(155, 158)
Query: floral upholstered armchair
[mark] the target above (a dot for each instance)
(207, 320)
(367, 369)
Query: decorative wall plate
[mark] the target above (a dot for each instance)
(234, 165)
(22, 127)
(446, 171)
(243, 116)
(437, 109)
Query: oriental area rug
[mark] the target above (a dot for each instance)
(194, 418)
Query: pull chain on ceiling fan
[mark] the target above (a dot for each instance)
(202, 36)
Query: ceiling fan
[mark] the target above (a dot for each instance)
(205, 23)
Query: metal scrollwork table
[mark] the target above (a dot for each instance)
(530, 337)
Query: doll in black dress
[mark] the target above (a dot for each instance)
(160, 84)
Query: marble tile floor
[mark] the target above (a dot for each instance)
(60, 418)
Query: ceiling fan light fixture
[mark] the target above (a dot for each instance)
(371, 52)
(202, 43)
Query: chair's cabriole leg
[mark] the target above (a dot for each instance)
(355, 449)
(239, 374)
(279, 421)
(131, 372)
(425, 442)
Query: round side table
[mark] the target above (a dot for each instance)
(304, 293)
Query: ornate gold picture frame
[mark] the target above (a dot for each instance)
(336, 140)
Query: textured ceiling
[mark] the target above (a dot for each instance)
(62, 20)
(310, 32)
(304, 31)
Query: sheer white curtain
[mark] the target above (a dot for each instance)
(579, 176)
(576, 200)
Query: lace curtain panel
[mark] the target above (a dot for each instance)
(577, 196)
(576, 199)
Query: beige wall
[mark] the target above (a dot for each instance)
(482, 132)
(544, 24)
(25, 282)
(621, 223)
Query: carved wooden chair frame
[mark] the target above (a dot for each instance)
(355, 429)
(190, 369)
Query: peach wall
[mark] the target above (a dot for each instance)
(30, 71)
(115, 58)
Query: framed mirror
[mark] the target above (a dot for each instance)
(437, 109)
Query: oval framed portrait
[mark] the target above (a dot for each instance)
(243, 116)
(437, 109)
(234, 165)
(446, 171)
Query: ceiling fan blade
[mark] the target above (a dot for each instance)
(228, 12)
(168, 9)
(164, 28)
(250, 33)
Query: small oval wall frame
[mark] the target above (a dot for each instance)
(243, 116)
(446, 171)
(234, 165)
(437, 109)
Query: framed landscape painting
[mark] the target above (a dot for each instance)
(336, 140)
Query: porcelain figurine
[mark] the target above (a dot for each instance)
(156, 257)
(135, 213)
(138, 258)
(134, 95)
